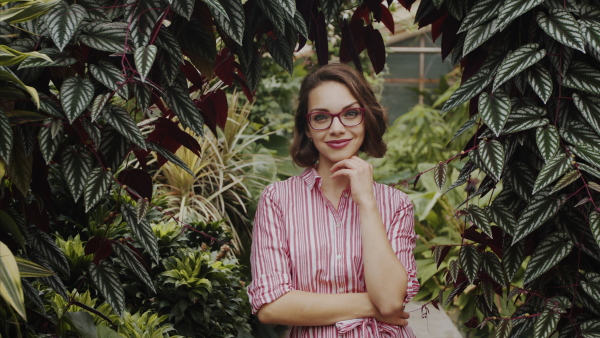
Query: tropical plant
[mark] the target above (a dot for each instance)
(530, 72)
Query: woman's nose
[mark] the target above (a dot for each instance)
(336, 126)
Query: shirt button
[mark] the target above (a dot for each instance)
(345, 194)
(338, 225)
(339, 257)
(341, 290)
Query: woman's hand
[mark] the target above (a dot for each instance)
(360, 174)
(399, 318)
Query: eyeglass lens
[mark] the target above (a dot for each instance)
(349, 118)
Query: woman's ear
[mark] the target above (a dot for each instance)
(307, 132)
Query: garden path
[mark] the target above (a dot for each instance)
(436, 324)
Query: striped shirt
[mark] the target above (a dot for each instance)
(301, 242)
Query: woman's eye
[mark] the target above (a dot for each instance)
(351, 113)
(320, 117)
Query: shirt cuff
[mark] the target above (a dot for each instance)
(267, 289)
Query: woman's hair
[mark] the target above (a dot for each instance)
(303, 151)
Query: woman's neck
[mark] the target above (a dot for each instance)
(338, 184)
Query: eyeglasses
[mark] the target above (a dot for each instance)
(350, 117)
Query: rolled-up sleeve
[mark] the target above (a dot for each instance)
(269, 257)
(401, 234)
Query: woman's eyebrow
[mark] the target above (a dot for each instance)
(325, 109)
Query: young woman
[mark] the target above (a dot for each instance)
(332, 251)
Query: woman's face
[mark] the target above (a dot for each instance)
(338, 142)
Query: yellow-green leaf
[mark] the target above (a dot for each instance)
(10, 281)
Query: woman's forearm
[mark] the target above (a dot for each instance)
(385, 276)
(301, 308)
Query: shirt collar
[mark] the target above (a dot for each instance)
(311, 177)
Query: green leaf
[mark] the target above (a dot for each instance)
(282, 52)
(546, 324)
(114, 147)
(589, 106)
(8, 76)
(548, 141)
(125, 125)
(331, 9)
(30, 269)
(63, 21)
(502, 217)
(473, 86)
(540, 209)
(504, 329)
(517, 61)
(491, 155)
(169, 156)
(6, 138)
(454, 267)
(478, 35)
(167, 42)
(99, 182)
(274, 11)
(554, 168)
(141, 230)
(562, 27)
(82, 323)
(594, 220)
(141, 208)
(48, 143)
(487, 291)
(512, 258)
(76, 93)
(512, 9)
(180, 102)
(590, 329)
(480, 219)
(105, 332)
(583, 77)
(131, 260)
(492, 266)
(199, 39)
(35, 62)
(470, 123)
(9, 226)
(592, 288)
(106, 280)
(98, 105)
(540, 80)
(26, 11)
(144, 58)
(547, 255)
(20, 168)
(45, 246)
(111, 77)
(588, 153)
(589, 170)
(481, 12)
(184, 7)
(494, 110)
(76, 166)
(591, 33)
(569, 178)
(579, 133)
(144, 19)
(440, 172)
(106, 36)
(470, 259)
(216, 7)
(232, 21)
(143, 95)
(10, 281)
(297, 22)
(594, 186)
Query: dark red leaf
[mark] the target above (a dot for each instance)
(348, 50)
(496, 242)
(375, 8)
(142, 156)
(322, 47)
(407, 3)
(435, 304)
(443, 255)
(472, 63)
(360, 34)
(362, 12)
(436, 27)
(472, 323)
(387, 18)
(241, 80)
(473, 106)
(224, 66)
(168, 134)
(191, 73)
(104, 251)
(376, 49)
(92, 246)
(137, 180)
(214, 108)
(449, 36)
(431, 15)
(472, 234)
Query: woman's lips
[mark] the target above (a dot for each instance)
(338, 143)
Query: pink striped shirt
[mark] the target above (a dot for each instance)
(301, 242)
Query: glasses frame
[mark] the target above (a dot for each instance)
(363, 110)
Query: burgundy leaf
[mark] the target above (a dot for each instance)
(375, 8)
(321, 39)
(472, 63)
(104, 251)
(224, 66)
(449, 36)
(241, 80)
(472, 323)
(362, 12)
(376, 49)
(387, 18)
(168, 134)
(191, 73)
(92, 246)
(436, 27)
(141, 155)
(348, 50)
(360, 34)
(137, 180)
(443, 255)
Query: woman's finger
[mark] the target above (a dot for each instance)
(342, 172)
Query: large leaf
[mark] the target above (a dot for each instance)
(48, 143)
(180, 102)
(144, 58)
(548, 141)
(540, 80)
(589, 153)
(26, 11)
(470, 259)
(502, 216)
(282, 52)
(76, 93)
(546, 324)
(583, 77)
(274, 11)
(76, 166)
(6, 138)
(517, 61)
(481, 12)
(512, 9)
(540, 209)
(480, 219)
(111, 77)
(184, 7)
(478, 35)
(232, 21)
(494, 110)
(141, 230)
(590, 329)
(547, 255)
(331, 9)
(492, 266)
(579, 133)
(125, 125)
(99, 182)
(589, 106)
(143, 20)
(63, 21)
(10, 281)
(512, 258)
(106, 280)
(131, 260)
(96, 109)
(30, 269)
(106, 36)
(82, 323)
(473, 86)
(554, 168)
(45, 246)
(169, 156)
(592, 288)
(591, 33)
(491, 155)
(562, 27)
(20, 168)
(504, 329)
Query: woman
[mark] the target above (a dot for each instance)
(332, 250)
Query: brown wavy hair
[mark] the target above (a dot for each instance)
(303, 152)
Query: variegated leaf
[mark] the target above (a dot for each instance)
(492, 266)
(589, 170)
(470, 123)
(439, 174)
(289, 7)
(111, 77)
(589, 106)
(546, 324)
(6, 138)
(169, 156)
(502, 217)
(494, 110)
(554, 168)
(233, 22)
(167, 42)
(180, 102)
(548, 141)
(63, 21)
(594, 220)
(141, 208)
(439, 253)
(492, 158)
(76, 93)
(470, 260)
(591, 34)
(98, 184)
(184, 7)
(578, 133)
(331, 8)
(274, 11)
(590, 329)
(114, 147)
(281, 52)
(45, 246)
(215, 7)
(76, 166)
(144, 58)
(478, 35)
(480, 219)
(297, 22)
(454, 267)
(512, 258)
(591, 288)
(560, 55)
(106, 280)
(141, 230)
(143, 19)
(98, 105)
(48, 144)
(93, 131)
(487, 290)
(481, 12)
(562, 27)
(106, 36)
(512, 9)
(463, 176)
(524, 118)
(517, 61)
(569, 178)
(143, 95)
(504, 329)
(539, 79)
(540, 209)
(588, 153)
(123, 123)
(131, 260)
(583, 77)
(547, 254)
(594, 186)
